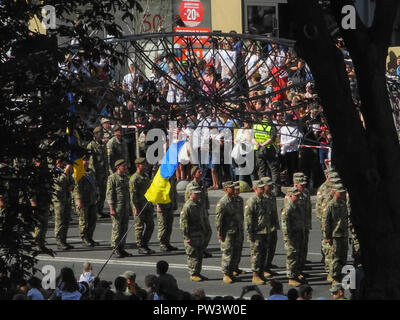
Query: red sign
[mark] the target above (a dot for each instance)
(192, 39)
(191, 12)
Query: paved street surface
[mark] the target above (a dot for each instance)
(143, 265)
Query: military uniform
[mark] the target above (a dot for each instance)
(144, 223)
(63, 185)
(240, 207)
(293, 235)
(86, 190)
(98, 163)
(335, 228)
(117, 150)
(258, 224)
(227, 221)
(165, 218)
(193, 228)
(117, 194)
(206, 206)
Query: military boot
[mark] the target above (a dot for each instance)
(227, 279)
(195, 278)
(329, 278)
(267, 274)
(257, 279)
(238, 272)
(294, 283)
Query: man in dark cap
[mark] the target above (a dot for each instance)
(98, 163)
(117, 149)
(144, 223)
(118, 199)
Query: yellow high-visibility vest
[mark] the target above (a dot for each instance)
(262, 132)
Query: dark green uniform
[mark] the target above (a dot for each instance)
(307, 207)
(193, 228)
(86, 191)
(144, 224)
(117, 150)
(117, 194)
(273, 232)
(240, 206)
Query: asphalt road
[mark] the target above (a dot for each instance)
(143, 265)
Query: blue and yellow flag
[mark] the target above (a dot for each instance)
(159, 189)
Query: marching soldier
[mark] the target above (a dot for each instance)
(300, 182)
(165, 217)
(227, 222)
(293, 236)
(335, 231)
(98, 164)
(117, 195)
(273, 232)
(63, 186)
(257, 221)
(85, 195)
(240, 205)
(117, 149)
(196, 173)
(193, 229)
(144, 224)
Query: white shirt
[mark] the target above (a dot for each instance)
(290, 138)
(129, 81)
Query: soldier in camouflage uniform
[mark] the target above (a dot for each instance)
(355, 248)
(335, 231)
(165, 218)
(193, 229)
(85, 195)
(98, 164)
(63, 186)
(273, 232)
(293, 236)
(117, 149)
(240, 205)
(107, 130)
(300, 183)
(144, 224)
(227, 222)
(196, 173)
(257, 221)
(117, 196)
(40, 201)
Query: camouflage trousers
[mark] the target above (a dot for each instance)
(231, 252)
(165, 219)
(325, 247)
(240, 240)
(87, 221)
(144, 227)
(62, 215)
(208, 232)
(272, 241)
(194, 252)
(338, 256)
(42, 221)
(258, 251)
(294, 250)
(102, 187)
(305, 247)
(119, 227)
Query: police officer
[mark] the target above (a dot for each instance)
(85, 195)
(257, 222)
(165, 218)
(63, 186)
(273, 232)
(117, 195)
(144, 223)
(99, 165)
(240, 205)
(117, 149)
(227, 222)
(196, 173)
(266, 152)
(293, 236)
(193, 229)
(335, 232)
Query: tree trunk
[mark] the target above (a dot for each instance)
(368, 159)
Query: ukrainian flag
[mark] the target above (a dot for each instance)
(75, 142)
(158, 191)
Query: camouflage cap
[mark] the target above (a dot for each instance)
(140, 161)
(301, 181)
(336, 287)
(333, 174)
(104, 120)
(298, 175)
(129, 275)
(119, 162)
(98, 129)
(228, 184)
(338, 187)
(237, 184)
(335, 180)
(267, 181)
(195, 189)
(117, 128)
(258, 184)
(293, 191)
(194, 169)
